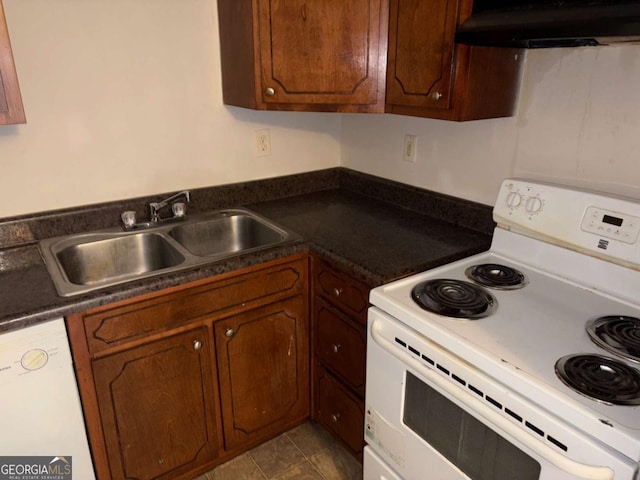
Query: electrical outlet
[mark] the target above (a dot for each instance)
(263, 143)
(410, 150)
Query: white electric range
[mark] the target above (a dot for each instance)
(521, 362)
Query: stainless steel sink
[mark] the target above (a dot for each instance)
(234, 232)
(85, 262)
(97, 261)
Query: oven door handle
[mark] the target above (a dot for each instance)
(579, 470)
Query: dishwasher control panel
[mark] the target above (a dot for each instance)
(33, 349)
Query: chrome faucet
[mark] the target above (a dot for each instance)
(178, 208)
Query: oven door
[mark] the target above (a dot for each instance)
(431, 415)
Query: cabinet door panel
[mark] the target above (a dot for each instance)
(156, 406)
(114, 325)
(11, 109)
(341, 345)
(421, 52)
(341, 290)
(341, 412)
(263, 359)
(321, 51)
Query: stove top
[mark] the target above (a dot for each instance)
(555, 294)
(519, 344)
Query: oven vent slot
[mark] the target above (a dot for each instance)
(491, 401)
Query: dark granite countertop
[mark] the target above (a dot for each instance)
(375, 229)
(374, 241)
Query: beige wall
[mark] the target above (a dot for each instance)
(123, 99)
(578, 122)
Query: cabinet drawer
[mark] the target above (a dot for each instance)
(341, 290)
(341, 345)
(110, 326)
(341, 412)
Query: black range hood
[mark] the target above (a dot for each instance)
(551, 23)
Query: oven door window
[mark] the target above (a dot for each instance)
(466, 442)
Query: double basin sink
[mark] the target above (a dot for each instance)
(89, 261)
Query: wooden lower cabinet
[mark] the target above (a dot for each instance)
(175, 382)
(341, 411)
(263, 369)
(155, 406)
(339, 333)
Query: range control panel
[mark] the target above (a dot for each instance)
(615, 225)
(604, 225)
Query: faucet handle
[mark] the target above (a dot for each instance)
(128, 218)
(179, 209)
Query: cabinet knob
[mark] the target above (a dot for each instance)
(336, 347)
(337, 291)
(335, 417)
(197, 344)
(269, 92)
(436, 95)
(229, 332)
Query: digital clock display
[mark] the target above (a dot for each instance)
(612, 220)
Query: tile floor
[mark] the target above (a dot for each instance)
(307, 452)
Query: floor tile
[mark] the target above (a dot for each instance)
(239, 468)
(307, 452)
(310, 438)
(301, 471)
(275, 456)
(335, 463)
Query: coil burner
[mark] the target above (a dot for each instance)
(454, 298)
(600, 378)
(496, 276)
(618, 334)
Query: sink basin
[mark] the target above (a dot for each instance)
(232, 232)
(89, 261)
(121, 257)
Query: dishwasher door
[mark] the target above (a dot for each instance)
(40, 411)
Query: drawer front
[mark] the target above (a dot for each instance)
(341, 412)
(341, 345)
(341, 290)
(129, 320)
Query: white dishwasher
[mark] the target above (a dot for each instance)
(40, 411)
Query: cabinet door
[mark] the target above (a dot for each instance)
(263, 370)
(156, 403)
(421, 51)
(11, 110)
(323, 51)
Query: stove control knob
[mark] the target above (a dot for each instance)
(533, 205)
(514, 199)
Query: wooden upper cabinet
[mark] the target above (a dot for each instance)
(428, 75)
(11, 109)
(317, 55)
(396, 56)
(421, 52)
